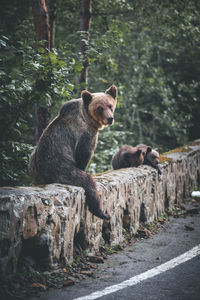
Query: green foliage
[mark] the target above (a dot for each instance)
(14, 116)
(148, 49)
(14, 160)
(27, 78)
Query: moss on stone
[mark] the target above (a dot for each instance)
(163, 159)
(99, 180)
(68, 189)
(180, 149)
(103, 173)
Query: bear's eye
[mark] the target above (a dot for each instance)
(110, 107)
(99, 110)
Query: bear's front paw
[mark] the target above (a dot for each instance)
(102, 215)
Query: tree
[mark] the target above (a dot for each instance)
(42, 33)
(85, 22)
(41, 21)
(51, 4)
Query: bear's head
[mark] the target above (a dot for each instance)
(101, 106)
(152, 157)
(146, 150)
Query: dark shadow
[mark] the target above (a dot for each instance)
(80, 241)
(35, 251)
(143, 217)
(126, 220)
(166, 201)
(106, 231)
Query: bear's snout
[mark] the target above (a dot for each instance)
(110, 120)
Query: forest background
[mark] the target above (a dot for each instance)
(149, 49)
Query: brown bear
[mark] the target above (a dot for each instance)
(151, 156)
(68, 143)
(126, 157)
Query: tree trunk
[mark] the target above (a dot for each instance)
(85, 21)
(51, 4)
(42, 33)
(41, 21)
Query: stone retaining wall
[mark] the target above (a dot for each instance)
(45, 222)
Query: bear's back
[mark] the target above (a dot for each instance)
(71, 108)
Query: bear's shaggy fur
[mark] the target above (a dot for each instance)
(127, 157)
(68, 143)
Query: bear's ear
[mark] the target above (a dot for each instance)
(87, 97)
(112, 91)
(149, 148)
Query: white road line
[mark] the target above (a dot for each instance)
(146, 275)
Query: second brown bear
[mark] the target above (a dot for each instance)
(127, 157)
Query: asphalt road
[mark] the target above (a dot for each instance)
(182, 282)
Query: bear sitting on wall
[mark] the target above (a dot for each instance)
(127, 157)
(68, 143)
